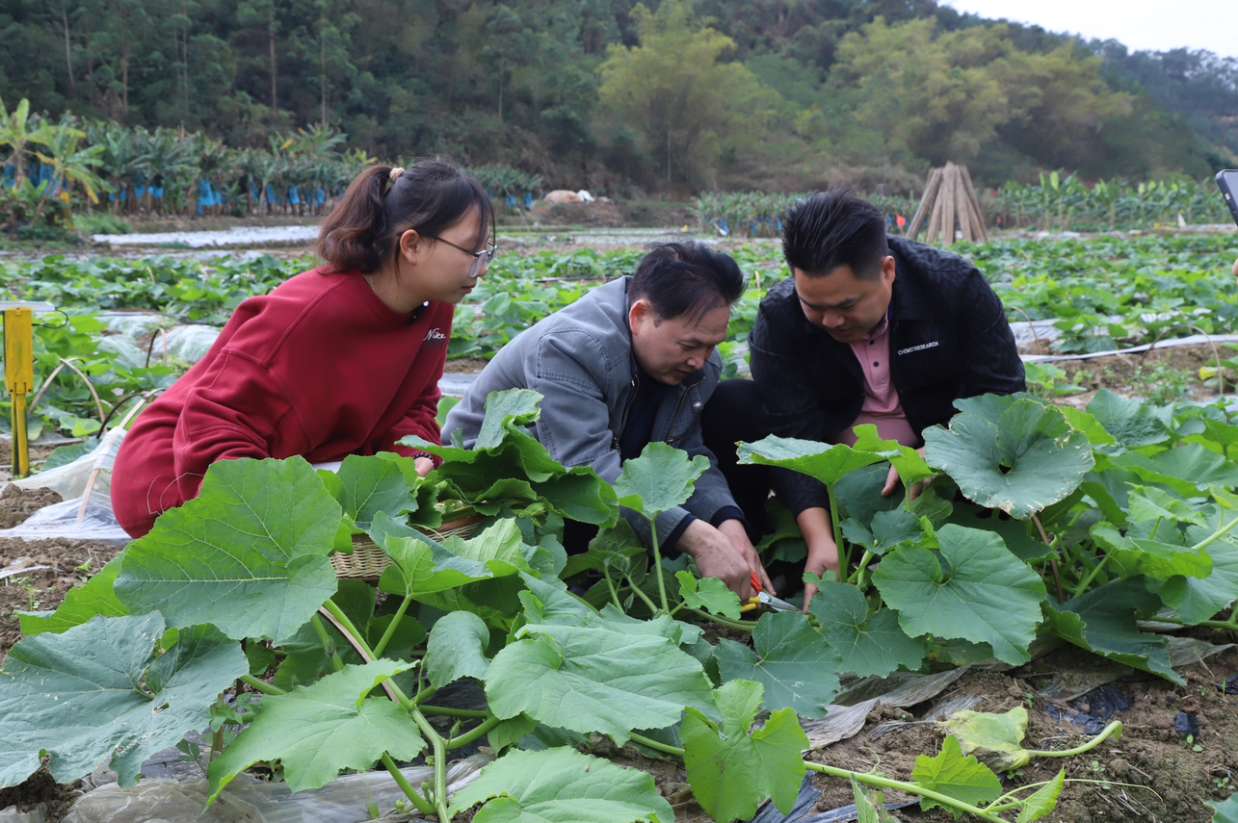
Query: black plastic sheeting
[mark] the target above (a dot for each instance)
(1093, 711)
(806, 811)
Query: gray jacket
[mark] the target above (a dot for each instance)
(580, 360)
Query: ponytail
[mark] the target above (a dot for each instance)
(383, 202)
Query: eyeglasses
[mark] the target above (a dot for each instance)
(481, 258)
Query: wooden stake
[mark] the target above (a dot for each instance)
(926, 203)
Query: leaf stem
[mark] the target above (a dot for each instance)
(261, 685)
(381, 646)
(656, 745)
(879, 782)
(1112, 729)
(478, 731)
(346, 628)
(858, 576)
(447, 711)
(328, 644)
(844, 551)
(410, 791)
(1224, 625)
(657, 566)
(1216, 535)
(653, 607)
(610, 584)
(1090, 576)
(738, 625)
(870, 779)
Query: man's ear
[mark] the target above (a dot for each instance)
(639, 312)
(888, 269)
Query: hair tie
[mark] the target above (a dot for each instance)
(392, 176)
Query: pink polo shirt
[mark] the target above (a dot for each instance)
(881, 404)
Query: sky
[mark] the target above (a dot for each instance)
(1152, 25)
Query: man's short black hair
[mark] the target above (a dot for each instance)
(686, 278)
(835, 228)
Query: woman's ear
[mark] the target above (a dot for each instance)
(412, 245)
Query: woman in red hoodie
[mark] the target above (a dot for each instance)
(343, 359)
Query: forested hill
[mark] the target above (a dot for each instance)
(610, 94)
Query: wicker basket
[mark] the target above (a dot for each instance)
(368, 561)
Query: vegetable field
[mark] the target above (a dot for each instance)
(1100, 294)
(1106, 530)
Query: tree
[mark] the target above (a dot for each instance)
(912, 89)
(675, 87)
(21, 134)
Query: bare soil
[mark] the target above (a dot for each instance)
(1141, 375)
(1153, 773)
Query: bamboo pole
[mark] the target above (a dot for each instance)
(948, 216)
(926, 203)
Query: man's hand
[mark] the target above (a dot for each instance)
(892, 482)
(424, 465)
(738, 535)
(822, 561)
(716, 556)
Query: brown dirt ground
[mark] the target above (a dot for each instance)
(1134, 374)
(1168, 779)
(72, 563)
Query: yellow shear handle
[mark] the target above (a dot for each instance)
(19, 379)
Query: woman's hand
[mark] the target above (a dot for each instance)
(424, 465)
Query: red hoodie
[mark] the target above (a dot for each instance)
(320, 367)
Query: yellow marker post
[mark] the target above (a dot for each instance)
(19, 372)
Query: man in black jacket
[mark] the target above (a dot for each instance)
(866, 330)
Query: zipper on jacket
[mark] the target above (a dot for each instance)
(623, 420)
(675, 416)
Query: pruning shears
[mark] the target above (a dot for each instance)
(764, 598)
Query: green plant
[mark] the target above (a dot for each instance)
(234, 590)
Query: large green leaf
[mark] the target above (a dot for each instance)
(422, 566)
(790, 658)
(504, 411)
(1010, 453)
(973, 589)
(997, 737)
(827, 463)
(1196, 600)
(887, 530)
(456, 649)
(507, 462)
(1156, 559)
(709, 594)
(1152, 506)
(659, 480)
(97, 598)
(609, 677)
(102, 694)
(1226, 812)
(372, 484)
(863, 644)
(1041, 803)
(1102, 621)
(1132, 423)
(1185, 469)
(561, 785)
(248, 555)
(318, 731)
(734, 770)
(952, 774)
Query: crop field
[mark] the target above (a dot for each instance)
(1075, 544)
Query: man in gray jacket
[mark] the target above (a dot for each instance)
(630, 363)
